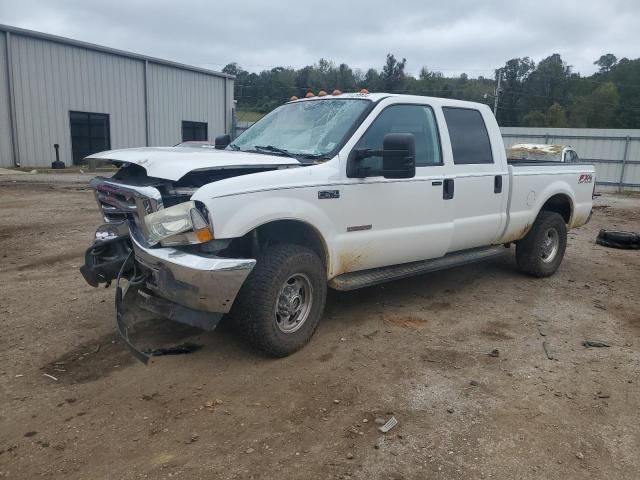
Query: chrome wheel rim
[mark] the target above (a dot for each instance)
(293, 303)
(550, 245)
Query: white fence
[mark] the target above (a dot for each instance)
(614, 153)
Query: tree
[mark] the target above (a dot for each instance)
(534, 119)
(514, 75)
(556, 116)
(546, 94)
(606, 62)
(393, 75)
(371, 80)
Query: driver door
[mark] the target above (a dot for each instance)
(393, 221)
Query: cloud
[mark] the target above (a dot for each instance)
(453, 36)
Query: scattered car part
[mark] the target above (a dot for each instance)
(595, 344)
(392, 422)
(618, 239)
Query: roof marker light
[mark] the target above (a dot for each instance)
(309, 95)
(336, 92)
(322, 93)
(293, 97)
(364, 91)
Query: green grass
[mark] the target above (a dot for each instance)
(248, 116)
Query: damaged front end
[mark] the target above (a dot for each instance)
(158, 246)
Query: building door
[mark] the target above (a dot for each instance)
(89, 134)
(194, 131)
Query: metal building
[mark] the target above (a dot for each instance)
(89, 98)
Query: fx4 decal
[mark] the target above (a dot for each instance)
(585, 178)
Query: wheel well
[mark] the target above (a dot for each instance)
(280, 231)
(560, 204)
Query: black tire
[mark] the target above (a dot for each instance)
(618, 239)
(254, 309)
(534, 253)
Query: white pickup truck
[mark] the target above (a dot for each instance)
(342, 191)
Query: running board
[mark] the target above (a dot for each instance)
(375, 276)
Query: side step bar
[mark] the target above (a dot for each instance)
(375, 276)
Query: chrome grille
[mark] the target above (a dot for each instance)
(119, 202)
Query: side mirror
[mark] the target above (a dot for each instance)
(398, 158)
(399, 155)
(222, 141)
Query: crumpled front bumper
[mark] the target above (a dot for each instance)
(205, 283)
(184, 287)
(187, 287)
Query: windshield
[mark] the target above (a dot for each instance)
(309, 129)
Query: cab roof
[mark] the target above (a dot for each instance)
(376, 97)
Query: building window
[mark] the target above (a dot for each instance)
(194, 131)
(89, 134)
(469, 138)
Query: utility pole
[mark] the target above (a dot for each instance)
(497, 92)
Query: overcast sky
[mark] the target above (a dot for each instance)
(451, 36)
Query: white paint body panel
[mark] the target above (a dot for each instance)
(173, 163)
(399, 220)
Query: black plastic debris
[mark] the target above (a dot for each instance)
(595, 344)
(181, 349)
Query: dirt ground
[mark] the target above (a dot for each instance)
(416, 349)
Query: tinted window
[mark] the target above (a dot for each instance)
(469, 137)
(416, 119)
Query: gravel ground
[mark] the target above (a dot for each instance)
(416, 349)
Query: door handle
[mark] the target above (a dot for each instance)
(497, 184)
(448, 189)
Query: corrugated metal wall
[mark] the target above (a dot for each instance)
(53, 76)
(52, 79)
(615, 153)
(6, 147)
(176, 95)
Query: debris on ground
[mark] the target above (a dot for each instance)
(547, 350)
(450, 410)
(380, 421)
(595, 344)
(181, 349)
(474, 383)
(598, 304)
(494, 353)
(618, 239)
(580, 456)
(389, 425)
(50, 376)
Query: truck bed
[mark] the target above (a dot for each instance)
(516, 162)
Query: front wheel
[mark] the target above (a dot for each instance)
(280, 304)
(541, 251)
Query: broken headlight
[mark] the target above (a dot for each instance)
(182, 224)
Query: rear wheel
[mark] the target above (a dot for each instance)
(541, 251)
(280, 304)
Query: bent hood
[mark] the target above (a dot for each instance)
(173, 163)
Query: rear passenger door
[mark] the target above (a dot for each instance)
(476, 185)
